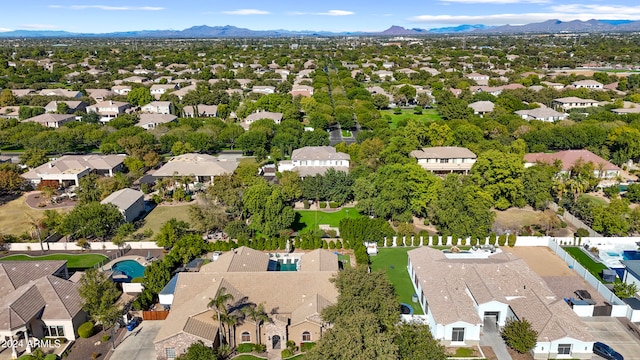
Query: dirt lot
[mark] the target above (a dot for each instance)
(542, 260)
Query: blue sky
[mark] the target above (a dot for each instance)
(332, 15)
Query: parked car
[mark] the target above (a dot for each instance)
(135, 321)
(606, 351)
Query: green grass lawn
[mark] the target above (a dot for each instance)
(394, 262)
(427, 116)
(81, 261)
(594, 199)
(312, 218)
(346, 133)
(161, 214)
(594, 267)
(346, 260)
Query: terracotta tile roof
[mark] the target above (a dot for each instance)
(569, 158)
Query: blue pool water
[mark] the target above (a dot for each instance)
(613, 254)
(631, 255)
(130, 268)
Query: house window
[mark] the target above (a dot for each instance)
(564, 349)
(53, 331)
(457, 334)
(306, 336)
(246, 337)
(444, 161)
(170, 352)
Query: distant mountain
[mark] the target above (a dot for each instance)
(228, 31)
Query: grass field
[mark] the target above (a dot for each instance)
(594, 267)
(312, 218)
(160, 214)
(346, 133)
(81, 261)
(594, 199)
(427, 115)
(14, 219)
(394, 262)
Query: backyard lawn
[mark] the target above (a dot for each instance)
(427, 115)
(594, 267)
(160, 214)
(81, 261)
(14, 219)
(312, 218)
(394, 262)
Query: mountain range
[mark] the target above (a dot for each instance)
(228, 31)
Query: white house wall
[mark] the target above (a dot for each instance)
(495, 306)
(471, 333)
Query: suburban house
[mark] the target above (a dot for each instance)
(573, 102)
(264, 89)
(38, 301)
(602, 168)
(464, 298)
(315, 160)
(588, 84)
(202, 167)
(151, 121)
(10, 112)
(445, 159)
(200, 110)
(99, 94)
(108, 110)
(68, 169)
(480, 79)
(293, 300)
(121, 89)
(542, 114)
(130, 203)
(61, 92)
(251, 118)
(158, 89)
(158, 107)
(301, 90)
(51, 120)
(482, 107)
(73, 106)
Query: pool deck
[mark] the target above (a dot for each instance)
(141, 260)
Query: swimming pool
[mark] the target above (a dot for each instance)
(631, 255)
(131, 268)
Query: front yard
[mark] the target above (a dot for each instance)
(394, 263)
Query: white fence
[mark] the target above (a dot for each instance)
(69, 246)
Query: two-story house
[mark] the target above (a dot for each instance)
(158, 107)
(445, 159)
(572, 102)
(108, 109)
(314, 160)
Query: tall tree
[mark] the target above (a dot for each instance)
(219, 304)
(258, 316)
(92, 219)
(99, 294)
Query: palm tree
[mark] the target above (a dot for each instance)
(231, 320)
(257, 314)
(37, 224)
(219, 304)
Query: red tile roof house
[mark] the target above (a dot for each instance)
(603, 169)
(38, 301)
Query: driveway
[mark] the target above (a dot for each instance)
(491, 337)
(613, 333)
(138, 344)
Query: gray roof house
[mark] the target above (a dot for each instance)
(251, 118)
(52, 120)
(542, 114)
(130, 203)
(201, 166)
(68, 169)
(572, 102)
(158, 107)
(37, 298)
(461, 297)
(74, 106)
(314, 160)
(150, 121)
(294, 300)
(445, 159)
(482, 107)
(200, 110)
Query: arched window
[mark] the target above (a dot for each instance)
(306, 336)
(246, 337)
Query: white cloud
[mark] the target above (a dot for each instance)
(246, 12)
(108, 7)
(561, 12)
(5, 30)
(335, 13)
(496, 1)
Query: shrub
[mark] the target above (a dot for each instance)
(306, 346)
(563, 225)
(333, 205)
(582, 232)
(323, 205)
(492, 239)
(245, 348)
(512, 240)
(463, 241)
(332, 244)
(51, 357)
(435, 240)
(291, 345)
(259, 348)
(482, 240)
(519, 335)
(105, 338)
(145, 188)
(502, 239)
(306, 204)
(286, 353)
(139, 279)
(473, 241)
(85, 330)
(454, 240)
